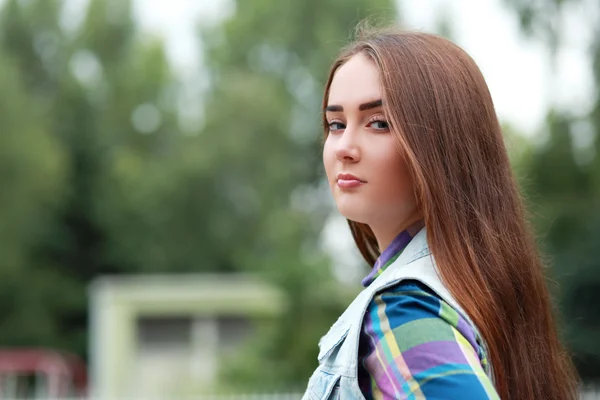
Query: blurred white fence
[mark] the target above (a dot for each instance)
(255, 396)
(589, 392)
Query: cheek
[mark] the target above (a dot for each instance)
(395, 185)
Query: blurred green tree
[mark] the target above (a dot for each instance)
(103, 174)
(32, 178)
(267, 65)
(90, 112)
(563, 183)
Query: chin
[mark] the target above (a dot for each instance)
(354, 213)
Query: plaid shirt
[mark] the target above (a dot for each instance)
(414, 345)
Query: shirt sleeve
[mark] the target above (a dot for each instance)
(414, 345)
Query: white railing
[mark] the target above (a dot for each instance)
(249, 396)
(589, 392)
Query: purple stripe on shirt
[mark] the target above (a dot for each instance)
(467, 331)
(433, 354)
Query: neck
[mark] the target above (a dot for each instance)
(385, 233)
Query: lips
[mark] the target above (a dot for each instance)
(349, 181)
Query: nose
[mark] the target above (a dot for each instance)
(347, 149)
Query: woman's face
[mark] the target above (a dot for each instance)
(366, 172)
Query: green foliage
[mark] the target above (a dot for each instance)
(268, 64)
(99, 176)
(65, 114)
(564, 189)
(32, 176)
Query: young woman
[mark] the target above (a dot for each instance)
(456, 305)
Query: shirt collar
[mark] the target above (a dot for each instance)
(391, 253)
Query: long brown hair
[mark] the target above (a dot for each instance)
(441, 112)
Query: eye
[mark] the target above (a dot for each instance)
(379, 125)
(335, 126)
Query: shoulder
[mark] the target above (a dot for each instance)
(409, 329)
(406, 302)
(415, 309)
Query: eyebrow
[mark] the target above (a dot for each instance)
(362, 107)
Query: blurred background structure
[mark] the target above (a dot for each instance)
(162, 201)
(168, 335)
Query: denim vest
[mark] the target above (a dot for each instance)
(336, 377)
